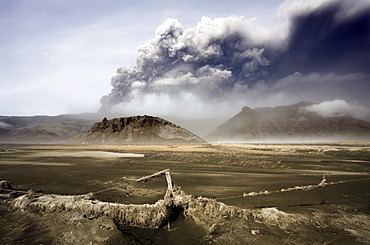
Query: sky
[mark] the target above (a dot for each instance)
(191, 59)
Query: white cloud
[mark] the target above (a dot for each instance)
(317, 87)
(338, 108)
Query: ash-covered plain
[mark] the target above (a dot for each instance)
(230, 193)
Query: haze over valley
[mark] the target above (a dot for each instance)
(302, 122)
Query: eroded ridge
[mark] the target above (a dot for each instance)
(221, 223)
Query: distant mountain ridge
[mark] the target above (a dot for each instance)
(43, 129)
(289, 123)
(135, 130)
(293, 123)
(247, 124)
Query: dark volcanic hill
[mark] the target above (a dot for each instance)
(289, 123)
(135, 130)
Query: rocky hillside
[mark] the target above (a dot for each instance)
(289, 123)
(135, 130)
(248, 124)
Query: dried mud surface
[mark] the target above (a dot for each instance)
(223, 172)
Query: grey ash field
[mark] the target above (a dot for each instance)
(335, 213)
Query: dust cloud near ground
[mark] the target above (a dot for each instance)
(241, 193)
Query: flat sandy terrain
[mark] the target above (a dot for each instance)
(220, 171)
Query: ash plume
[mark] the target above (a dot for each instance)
(232, 61)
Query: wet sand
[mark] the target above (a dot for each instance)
(220, 171)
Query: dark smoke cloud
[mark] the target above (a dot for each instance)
(331, 38)
(215, 58)
(229, 60)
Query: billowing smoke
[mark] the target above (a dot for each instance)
(230, 61)
(209, 61)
